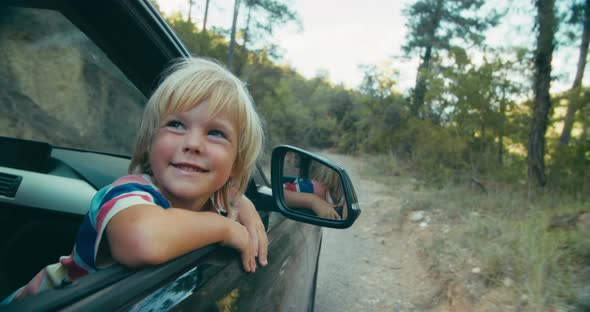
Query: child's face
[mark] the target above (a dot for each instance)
(192, 155)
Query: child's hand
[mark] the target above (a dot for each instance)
(249, 217)
(239, 239)
(323, 209)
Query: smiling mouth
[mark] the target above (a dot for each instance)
(189, 168)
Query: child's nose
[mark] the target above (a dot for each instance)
(194, 142)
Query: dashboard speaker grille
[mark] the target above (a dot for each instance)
(9, 184)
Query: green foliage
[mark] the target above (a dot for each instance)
(436, 26)
(474, 123)
(202, 43)
(265, 15)
(435, 22)
(435, 162)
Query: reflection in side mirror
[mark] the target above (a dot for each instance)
(313, 189)
(313, 186)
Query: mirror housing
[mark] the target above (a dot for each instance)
(351, 209)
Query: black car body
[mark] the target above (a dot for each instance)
(117, 50)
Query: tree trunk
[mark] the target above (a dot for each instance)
(420, 88)
(574, 93)
(190, 10)
(206, 14)
(583, 148)
(232, 42)
(542, 83)
(244, 66)
(501, 132)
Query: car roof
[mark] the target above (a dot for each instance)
(132, 33)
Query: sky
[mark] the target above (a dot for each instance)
(338, 36)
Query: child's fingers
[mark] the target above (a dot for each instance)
(241, 241)
(252, 264)
(334, 215)
(262, 247)
(253, 241)
(246, 261)
(252, 251)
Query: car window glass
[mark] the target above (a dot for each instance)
(57, 86)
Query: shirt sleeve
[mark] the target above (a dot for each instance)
(116, 199)
(104, 206)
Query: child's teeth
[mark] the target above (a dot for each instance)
(189, 168)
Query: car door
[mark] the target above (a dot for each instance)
(217, 281)
(212, 278)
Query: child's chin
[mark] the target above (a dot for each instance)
(186, 193)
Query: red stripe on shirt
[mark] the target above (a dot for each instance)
(136, 178)
(106, 208)
(74, 270)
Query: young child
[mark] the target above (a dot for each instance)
(197, 145)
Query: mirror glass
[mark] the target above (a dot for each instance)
(311, 187)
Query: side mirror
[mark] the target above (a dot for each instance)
(312, 189)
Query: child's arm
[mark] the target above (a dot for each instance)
(149, 235)
(249, 217)
(311, 201)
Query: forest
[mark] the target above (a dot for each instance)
(489, 143)
(490, 118)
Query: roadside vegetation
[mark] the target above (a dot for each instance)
(535, 252)
(487, 149)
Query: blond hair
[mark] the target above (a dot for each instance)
(187, 83)
(330, 178)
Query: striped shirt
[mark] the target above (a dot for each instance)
(309, 186)
(86, 257)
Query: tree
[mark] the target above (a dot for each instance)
(211, 44)
(433, 25)
(206, 15)
(480, 97)
(546, 23)
(232, 39)
(265, 15)
(262, 18)
(191, 3)
(574, 92)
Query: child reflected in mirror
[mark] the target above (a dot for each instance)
(319, 190)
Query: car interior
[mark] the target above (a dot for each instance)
(40, 223)
(55, 186)
(43, 45)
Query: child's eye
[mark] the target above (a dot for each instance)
(216, 133)
(175, 124)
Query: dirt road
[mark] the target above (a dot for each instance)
(373, 266)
